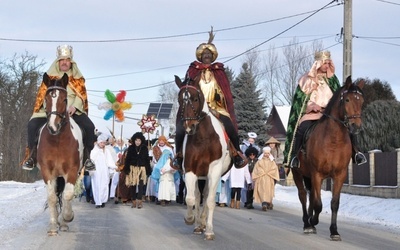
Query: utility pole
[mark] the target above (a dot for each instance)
(347, 39)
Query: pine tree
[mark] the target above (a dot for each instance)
(249, 105)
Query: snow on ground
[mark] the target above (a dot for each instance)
(21, 203)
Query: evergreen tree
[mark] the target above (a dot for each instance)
(249, 105)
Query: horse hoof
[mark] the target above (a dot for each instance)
(64, 228)
(310, 230)
(209, 237)
(52, 233)
(336, 238)
(197, 230)
(189, 222)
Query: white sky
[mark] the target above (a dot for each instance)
(130, 65)
(14, 215)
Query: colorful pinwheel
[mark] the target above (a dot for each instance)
(148, 124)
(115, 105)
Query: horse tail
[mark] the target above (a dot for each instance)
(307, 183)
(60, 185)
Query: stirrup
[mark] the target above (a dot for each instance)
(29, 164)
(360, 158)
(89, 165)
(295, 163)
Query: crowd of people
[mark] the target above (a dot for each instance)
(129, 172)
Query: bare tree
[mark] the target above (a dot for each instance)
(19, 80)
(282, 75)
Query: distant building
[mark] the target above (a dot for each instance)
(278, 120)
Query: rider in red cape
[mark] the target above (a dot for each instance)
(216, 89)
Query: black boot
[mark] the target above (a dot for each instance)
(357, 157)
(30, 163)
(88, 163)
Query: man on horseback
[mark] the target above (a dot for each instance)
(312, 94)
(77, 107)
(216, 89)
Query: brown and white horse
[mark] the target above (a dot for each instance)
(205, 154)
(59, 154)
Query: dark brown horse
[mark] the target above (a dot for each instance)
(327, 154)
(205, 154)
(59, 154)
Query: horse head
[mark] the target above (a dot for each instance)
(352, 100)
(56, 102)
(192, 105)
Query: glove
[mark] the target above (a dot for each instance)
(249, 186)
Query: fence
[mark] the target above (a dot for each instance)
(379, 177)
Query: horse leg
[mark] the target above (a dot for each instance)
(199, 223)
(315, 200)
(67, 214)
(52, 203)
(337, 187)
(302, 193)
(212, 189)
(190, 182)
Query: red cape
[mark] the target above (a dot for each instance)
(219, 72)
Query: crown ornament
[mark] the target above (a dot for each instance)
(64, 52)
(322, 55)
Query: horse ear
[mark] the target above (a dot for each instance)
(348, 82)
(46, 79)
(65, 80)
(361, 84)
(178, 81)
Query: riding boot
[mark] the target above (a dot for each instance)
(179, 137)
(357, 157)
(294, 163)
(30, 163)
(88, 163)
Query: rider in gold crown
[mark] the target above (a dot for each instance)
(77, 106)
(217, 92)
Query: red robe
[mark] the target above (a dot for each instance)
(219, 73)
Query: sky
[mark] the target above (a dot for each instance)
(138, 46)
(14, 216)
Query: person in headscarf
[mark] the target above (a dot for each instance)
(159, 146)
(136, 162)
(314, 91)
(215, 86)
(251, 154)
(77, 106)
(265, 175)
(104, 161)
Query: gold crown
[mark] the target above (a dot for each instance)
(322, 55)
(64, 52)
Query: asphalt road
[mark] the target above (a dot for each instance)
(119, 226)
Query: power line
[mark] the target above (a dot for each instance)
(383, 1)
(158, 37)
(280, 33)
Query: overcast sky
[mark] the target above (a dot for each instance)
(138, 45)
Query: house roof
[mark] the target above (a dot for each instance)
(283, 112)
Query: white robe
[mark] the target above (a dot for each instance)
(103, 160)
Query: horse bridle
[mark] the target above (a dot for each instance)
(61, 115)
(347, 118)
(186, 101)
